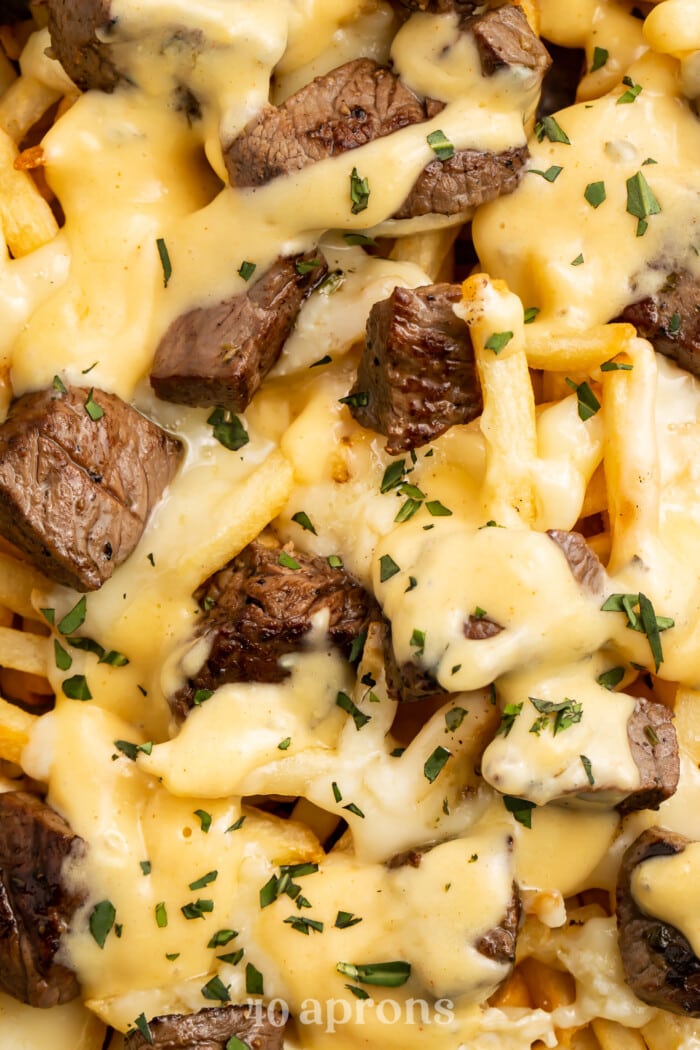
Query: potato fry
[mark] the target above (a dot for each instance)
(15, 728)
(549, 988)
(613, 1036)
(428, 250)
(23, 651)
(23, 104)
(561, 350)
(631, 455)
(508, 420)
(27, 220)
(17, 581)
(253, 506)
(687, 721)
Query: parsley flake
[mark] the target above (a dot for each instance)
(359, 192)
(76, 688)
(508, 716)
(633, 90)
(530, 314)
(303, 519)
(383, 974)
(161, 913)
(216, 989)
(441, 145)
(227, 429)
(550, 175)
(387, 568)
(641, 202)
(600, 57)
(588, 403)
(360, 719)
(204, 819)
(588, 769)
(436, 763)
(142, 1024)
(101, 921)
(521, 808)
(595, 194)
(253, 980)
(75, 618)
(164, 260)
(288, 562)
(63, 658)
(549, 128)
(345, 919)
(498, 341)
(246, 270)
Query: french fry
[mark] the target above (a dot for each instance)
(687, 721)
(631, 455)
(23, 651)
(508, 420)
(428, 250)
(15, 728)
(549, 988)
(562, 350)
(27, 220)
(512, 993)
(23, 104)
(253, 505)
(614, 1036)
(17, 581)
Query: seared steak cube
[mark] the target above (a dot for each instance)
(262, 606)
(78, 30)
(469, 178)
(35, 907)
(660, 965)
(585, 565)
(671, 320)
(654, 748)
(219, 355)
(417, 376)
(346, 108)
(80, 472)
(212, 1029)
(504, 39)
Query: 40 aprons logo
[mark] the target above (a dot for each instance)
(331, 1014)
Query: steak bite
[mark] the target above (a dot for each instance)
(670, 320)
(79, 30)
(467, 179)
(660, 966)
(35, 907)
(348, 107)
(499, 943)
(586, 567)
(417, 368)
(505, 39)
(654, 748)
(260, 607)
(212, 1029)
(219, 355)
(80, 472)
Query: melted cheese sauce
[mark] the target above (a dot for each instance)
(129, 169)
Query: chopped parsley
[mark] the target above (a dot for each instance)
(302, 925)
(382, 974)
(454, 718)
(549, 128)
(437, 509)
(228, 429)
(357, 400)
(216, 989)
(101, 921)
(237, 824)
(609, 679)
(387, 568)
(161, 913)
(197, 909)
(221, 938)
(566, 713)
(75, 618)
(393, 475)
(417, 642)
(288, 562)
(651, 735)
(579, 260)
(600, 57)
(359, 192)
(63, 658)
(303, 519)
(633, 90)
(498, 341)
(246, 270)
(304, 266)
(142, 1024)
(131, 750)
(345, 919)
(645, 620)
(343, 701)
(508, 716)
(164, 260)
(335, 561)
(674, 325)
(436, 763)
(352, 808)
(205, 880)
(204, 819)
(521, 808)
(641, 202)
(253, 980)
(59, 385)
(615, 366)
(145, 866)
(588, 403)
(551, 174)
(595, 194)
(284, 744)
(76, 688)
(441, 145)
(530, 314)
(588, 769)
